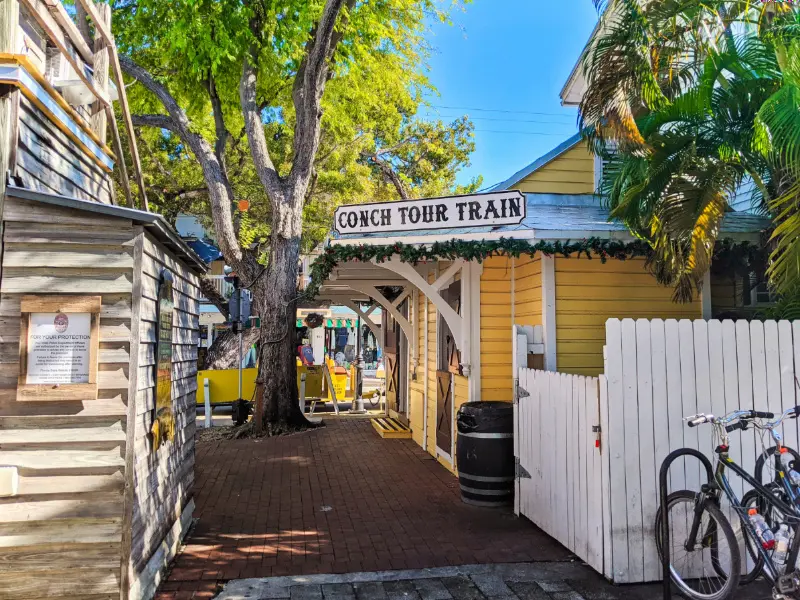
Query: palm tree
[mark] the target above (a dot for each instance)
(696, 99)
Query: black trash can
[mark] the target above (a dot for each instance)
(485, 453)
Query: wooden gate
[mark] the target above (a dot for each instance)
(560, 487)
(444, 411)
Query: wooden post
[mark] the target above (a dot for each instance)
(101, 62)
(104, 30)
(9, 98)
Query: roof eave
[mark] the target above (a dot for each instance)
(152, 222)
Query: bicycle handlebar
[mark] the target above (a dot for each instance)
(741, 415)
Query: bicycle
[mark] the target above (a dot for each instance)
(704, 527)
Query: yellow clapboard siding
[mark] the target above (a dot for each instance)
(589, 292)
(642, 293)
(496, 325)
(570, 173)
(491, 336)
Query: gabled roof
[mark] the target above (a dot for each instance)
(537, 164)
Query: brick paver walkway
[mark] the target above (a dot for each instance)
(336, 500)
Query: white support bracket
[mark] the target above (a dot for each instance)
(454, 321)
(372, 292)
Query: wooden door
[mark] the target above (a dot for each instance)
(444, 411)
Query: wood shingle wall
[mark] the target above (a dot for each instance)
(61, 535)
(97, 510)
(163, 479)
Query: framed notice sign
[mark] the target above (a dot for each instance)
(163, 428)
(58, 348)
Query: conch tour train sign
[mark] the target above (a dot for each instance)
(475, 210)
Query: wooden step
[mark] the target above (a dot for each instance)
(63, 462)
(80, 438)
(390, 428)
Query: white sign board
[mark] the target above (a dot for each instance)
(475, 210)
(59, 348)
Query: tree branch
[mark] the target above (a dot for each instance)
(309, 85)
(157, 121)
(219, 187)
(256, 137)
(209, 290)
(391, 175)
(219, 122)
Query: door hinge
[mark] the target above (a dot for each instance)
(519, 391)
(519, 470)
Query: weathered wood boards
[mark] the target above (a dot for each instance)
(89, 484)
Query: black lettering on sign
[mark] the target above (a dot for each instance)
(352, 219)
(441, 212)
(474, 211)
(342, 223)
(364, 218)
(491, 211)
(427, 214)
(413, 215)
(514, 208)
(386, 217)
(503, 207)
(373, 217)
(403, 210)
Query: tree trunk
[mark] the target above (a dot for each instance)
(224, 351)
(276, 297)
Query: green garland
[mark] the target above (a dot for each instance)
(739, 254)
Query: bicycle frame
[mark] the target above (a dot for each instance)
(789, 512)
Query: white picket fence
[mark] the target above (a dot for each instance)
(561, 487)
(656, 373)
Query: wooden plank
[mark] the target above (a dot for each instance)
(51, 303)
(609, 558)
(37, 486)
(73, 582)
(633, 484)
(56, 534)
(615, 442)
(594, 496)
(48, 235)
(646, 426)
(103, 437)
(62, 461)
(28, 211)
(17, 256)
(102, 556)
(745, 371)
(787, 379)
(689, 399)
(64, 281)
(730, 382)
(796, 345)
(773, 367)
(677, 475)
(96, 505)
(585, 450)
(106, 405)
(703, 384)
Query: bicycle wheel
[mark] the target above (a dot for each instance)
(711, 569)
(764, 464)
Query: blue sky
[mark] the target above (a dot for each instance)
(512, 56)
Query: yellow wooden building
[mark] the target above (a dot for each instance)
(473, 305)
